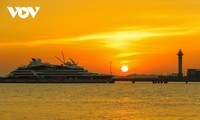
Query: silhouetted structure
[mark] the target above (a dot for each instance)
(193, 73)
(180, 54)
(70, 72)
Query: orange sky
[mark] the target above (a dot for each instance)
(142, 34)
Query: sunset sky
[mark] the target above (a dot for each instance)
(145, 35)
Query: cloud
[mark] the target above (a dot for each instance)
(128, 54)
(119, 38)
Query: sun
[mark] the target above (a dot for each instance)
(124, 68)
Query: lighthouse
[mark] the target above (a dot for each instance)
(180, 54)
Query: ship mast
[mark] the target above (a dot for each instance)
(63, 57)
(63, 62)
(75, 63)
(60, 60)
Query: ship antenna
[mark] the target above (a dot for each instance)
(63, 57)
(60, 60)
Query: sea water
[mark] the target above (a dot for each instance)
(119, 101)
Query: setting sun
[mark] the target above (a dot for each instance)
(127, 32)
(124, 68)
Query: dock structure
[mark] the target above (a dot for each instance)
(154, 80)
(159, 80)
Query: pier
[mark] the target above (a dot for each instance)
(159, 80)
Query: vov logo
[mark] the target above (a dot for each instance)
(23, 12)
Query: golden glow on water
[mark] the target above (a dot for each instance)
(99, 101)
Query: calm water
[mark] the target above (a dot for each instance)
(124, 101)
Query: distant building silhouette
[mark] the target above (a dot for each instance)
(180, 54)
(193, 73)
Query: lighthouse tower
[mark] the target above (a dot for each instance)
(180, 54)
